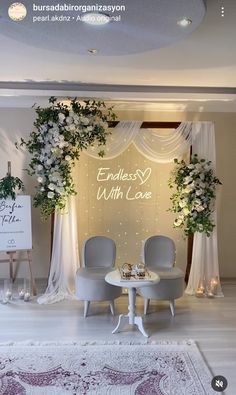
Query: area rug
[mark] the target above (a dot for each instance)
(103, 369)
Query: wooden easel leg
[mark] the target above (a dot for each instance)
(31, 274)
(15, 272)
(11, 257)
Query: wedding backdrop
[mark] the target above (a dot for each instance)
(158, 148)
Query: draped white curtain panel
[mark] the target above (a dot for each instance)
(205, 265)
(159, 148)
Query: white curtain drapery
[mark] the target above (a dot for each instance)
(161, 148)
(65, 257)
(205, 267)
(153, 145)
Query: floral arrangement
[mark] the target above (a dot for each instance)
(194, 199)
(61, 132)
(9, 186)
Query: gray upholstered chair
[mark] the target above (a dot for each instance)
(98, 258)
(159, 256)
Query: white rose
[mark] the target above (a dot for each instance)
(191, 166)
(40, 167)
(197, 202)
(57, 152)
(188, 179)
(69, 120)
(55, 176)
(199, 192)
(198, 166)
(62, 144)
(200, 208)
(84, 120)
(50, 195)
(54, 131)
(76, 118)
(72, 127)
(47, 149)
(40, 180)
(51, 186)
(104, 125)
(177, 222)
(67, 158)
(61, 117)
(49, 161)
(89, 128)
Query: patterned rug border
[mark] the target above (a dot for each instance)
(200, 365)
(187, 342)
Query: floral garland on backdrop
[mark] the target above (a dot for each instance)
(195, 195)
(61, 133)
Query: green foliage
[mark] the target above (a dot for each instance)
(61, 132)
(194, 198)
(9, 186)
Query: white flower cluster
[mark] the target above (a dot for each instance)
(49, 174)
(61, 133)
(193, 200)
(193, 183)
(56, 155)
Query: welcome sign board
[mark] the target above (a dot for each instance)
(15, 224)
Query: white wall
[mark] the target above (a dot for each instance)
(15, 123)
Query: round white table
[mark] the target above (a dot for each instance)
(114, 278)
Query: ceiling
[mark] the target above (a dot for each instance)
(145, 57)
(140, 26)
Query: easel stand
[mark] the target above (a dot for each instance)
(13, 273)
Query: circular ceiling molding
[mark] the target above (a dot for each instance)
(142, 26)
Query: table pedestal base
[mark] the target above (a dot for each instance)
(124, 319)
(131, 317)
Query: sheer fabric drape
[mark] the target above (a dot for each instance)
(153, 145)
(160, 148)
(205, 267)
(65, 257)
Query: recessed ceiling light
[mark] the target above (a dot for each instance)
(93, 51)
(95, 18)
(184, 22)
